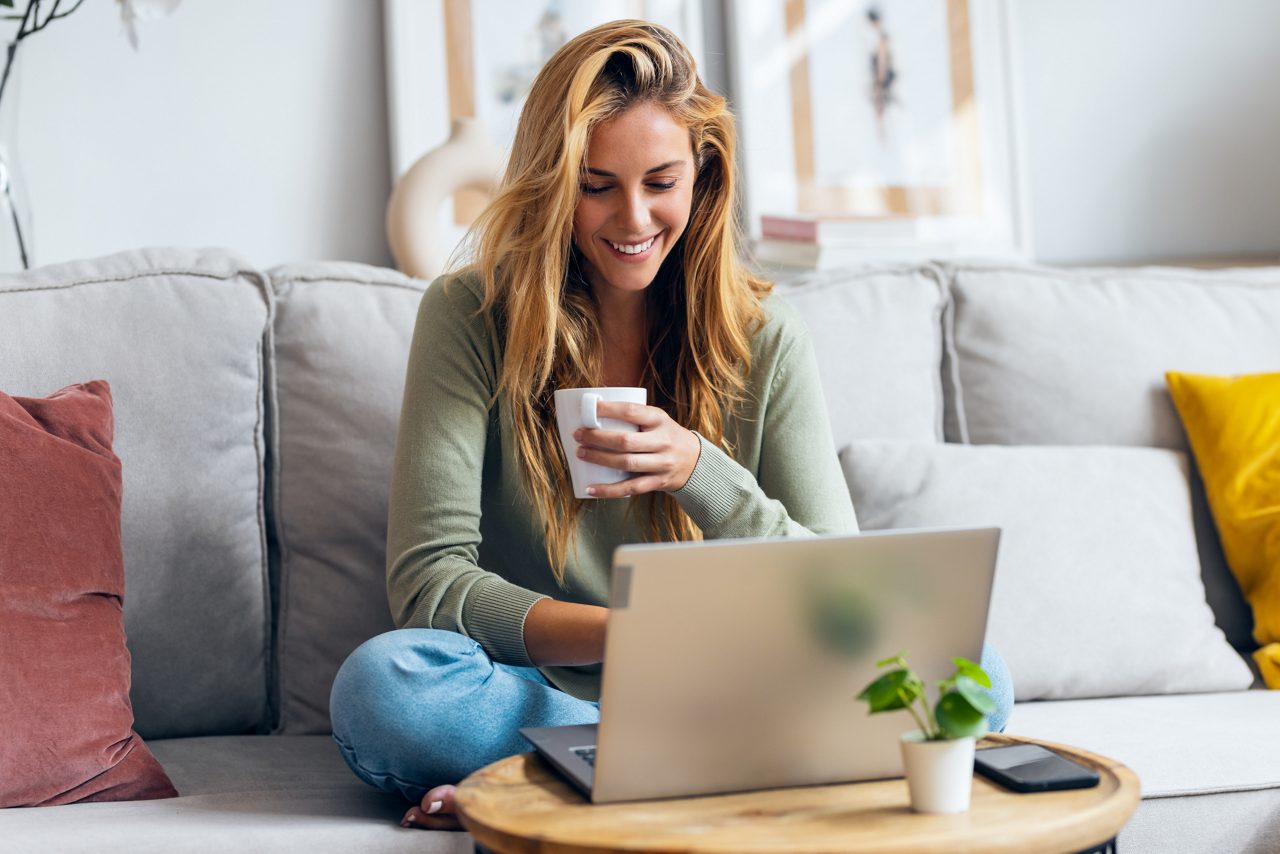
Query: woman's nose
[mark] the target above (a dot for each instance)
(634, 216)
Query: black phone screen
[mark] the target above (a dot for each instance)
(1032, 768)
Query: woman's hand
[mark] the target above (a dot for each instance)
(662, 455)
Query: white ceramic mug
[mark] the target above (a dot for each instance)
(576, 407)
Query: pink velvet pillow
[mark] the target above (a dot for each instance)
(67, 724)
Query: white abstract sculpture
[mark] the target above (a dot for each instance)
(466, 160)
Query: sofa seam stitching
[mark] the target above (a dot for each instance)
(351, 280)
(149, 274)
(260, 429)
(1100, 273)
(280, 601)
(1225, 790)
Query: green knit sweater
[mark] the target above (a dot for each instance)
(465, 551)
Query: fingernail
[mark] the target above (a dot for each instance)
(591, 490)
(582, 452)
(434, 807)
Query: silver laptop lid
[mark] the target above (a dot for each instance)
(735, 664)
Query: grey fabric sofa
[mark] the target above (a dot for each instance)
(256, 413)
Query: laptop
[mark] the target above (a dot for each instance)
(733, 665)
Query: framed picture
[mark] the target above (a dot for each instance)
(449, 59)
(888, 121)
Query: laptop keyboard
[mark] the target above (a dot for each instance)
(587, 754)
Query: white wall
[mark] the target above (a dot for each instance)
(258, 126)
(1151, 127)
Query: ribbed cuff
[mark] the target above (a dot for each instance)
(715, 489)
(494, 617)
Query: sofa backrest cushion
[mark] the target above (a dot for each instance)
(1049, 356)
(1052, 356)
(877, 332)
(342, 335)
(179, 335)
(1097, 588)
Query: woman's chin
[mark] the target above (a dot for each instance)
(628, 278)
(634, 281)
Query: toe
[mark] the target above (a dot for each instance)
(439, 800)
(435, 812)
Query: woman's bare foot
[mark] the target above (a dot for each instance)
(436, 811)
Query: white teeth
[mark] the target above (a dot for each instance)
(635, 249)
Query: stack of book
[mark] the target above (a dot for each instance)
(818, 242)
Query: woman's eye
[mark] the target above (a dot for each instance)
(589, 190)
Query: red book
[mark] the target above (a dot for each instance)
(816, 228)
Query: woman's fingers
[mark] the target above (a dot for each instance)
(633, 462)
(661, 448)
(647, 417)
(621, 441)
(631, 486)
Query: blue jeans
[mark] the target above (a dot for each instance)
(415, 708)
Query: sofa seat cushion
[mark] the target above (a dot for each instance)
(239, 793)
(1209, 764)
(1189, 744)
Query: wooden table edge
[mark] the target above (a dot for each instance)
(1099, 823)
(1112, 812)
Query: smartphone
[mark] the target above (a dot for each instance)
(1032, 768)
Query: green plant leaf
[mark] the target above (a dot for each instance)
(958, 718)
(975, 694)
(900, 659)
(893, 690)
(966, 667)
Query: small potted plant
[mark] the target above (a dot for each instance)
(937, 757)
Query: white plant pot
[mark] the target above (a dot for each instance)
(939, 773)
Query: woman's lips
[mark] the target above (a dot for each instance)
(639, 257)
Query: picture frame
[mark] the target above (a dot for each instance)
(898, 130)
(448, 59)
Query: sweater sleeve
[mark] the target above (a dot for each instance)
(433, 531)
(798, 489)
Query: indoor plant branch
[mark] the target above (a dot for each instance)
(31, 24)
(36, 15)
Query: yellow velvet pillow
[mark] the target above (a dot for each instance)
(1234, 427)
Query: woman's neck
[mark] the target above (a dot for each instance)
(623, 337)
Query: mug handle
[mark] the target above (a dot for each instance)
(589, 417)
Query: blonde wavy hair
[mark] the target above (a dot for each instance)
(703, 306)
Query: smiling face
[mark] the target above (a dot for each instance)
(637, 192)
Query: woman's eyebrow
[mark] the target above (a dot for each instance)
(603, 174)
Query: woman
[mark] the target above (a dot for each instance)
(608, 257)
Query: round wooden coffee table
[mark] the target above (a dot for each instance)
(520, 805)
